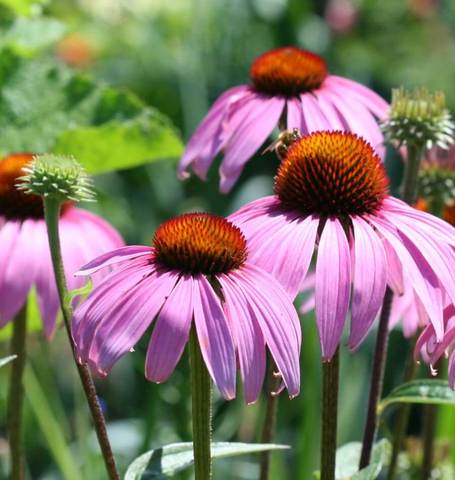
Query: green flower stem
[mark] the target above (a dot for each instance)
(430, 414)
(201, 410)
(16, 394)
(403, 413)
(415, 153)
(268, 430)
(52, 214)
(330, 378)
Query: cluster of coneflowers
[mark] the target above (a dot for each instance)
(226, 286)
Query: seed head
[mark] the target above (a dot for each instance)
(56, 176)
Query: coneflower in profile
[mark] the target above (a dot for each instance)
(24, 246)
(290, 86)
(197, 272)
(331, 197)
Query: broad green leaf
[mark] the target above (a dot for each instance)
(5, 360)
(26, 35)
(46, 107)
(167, 461)
(348, 458)
(420, 391)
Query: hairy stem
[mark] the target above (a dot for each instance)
(16, 394)
(201, 410)
(330, 378)
(268, 430)
(52, 214)
(377, 378)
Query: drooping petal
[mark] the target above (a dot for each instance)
(247, 336)
(277, 318)
(205, 142)
(286, 252)
(329, 111)
(314, 118)
(245, 141)
(416, 269)
(128, 319)
(333, 284)
(171, 332)
(294, 114)
(115, 256)
(19, 272)
(214, 336)
(369, 280)
(358, 92)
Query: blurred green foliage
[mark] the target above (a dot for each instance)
(177, 56)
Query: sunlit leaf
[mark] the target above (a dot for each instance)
(420, 391)
(348, 458)
(171, 459)
(5, 360)
(46, 107)
(24, 7)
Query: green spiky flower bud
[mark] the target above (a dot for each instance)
(55, 176)
(419, 118)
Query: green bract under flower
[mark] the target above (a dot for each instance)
(55, 176)
(419, 118)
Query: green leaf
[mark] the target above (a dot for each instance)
(168, 460)
(5, 360)
(420, 391)
(24, 7)
(46, 107)
(348, 458)
(26, 35)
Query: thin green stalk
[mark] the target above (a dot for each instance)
(16, 394)
(268, 430)
(52, 214)
(201, 410)
(403, 414)
(330, 379)
(411, 173)
(430, 415)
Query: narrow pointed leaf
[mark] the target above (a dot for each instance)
(166, 461)
(420, 391)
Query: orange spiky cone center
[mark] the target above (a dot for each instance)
(200, 243)
(331, 174)
(287, 71)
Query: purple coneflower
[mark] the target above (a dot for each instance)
(25, 260)
(331, 194)
(432, 350)
(197, 269)
(286, 83)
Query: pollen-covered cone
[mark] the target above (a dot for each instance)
(196, 272)
(289, 81)
(25, 261)
(331, 201)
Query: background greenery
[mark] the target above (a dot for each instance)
(177, 56)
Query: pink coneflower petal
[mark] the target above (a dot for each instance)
(205, 141)
(8, 237)
(128, 320)
(417, 270)
(248, 338)
(278, 321)
(333, 284)
(394, 269)
(369, 282)
(313, 117)
(19, 272)
(246, 141)
(115, 256)
(452, 370)
(329, 111)
(294, 114)
(92, 312)
(371, 100)
(171, 332)
(214, 337)
(290, 259)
